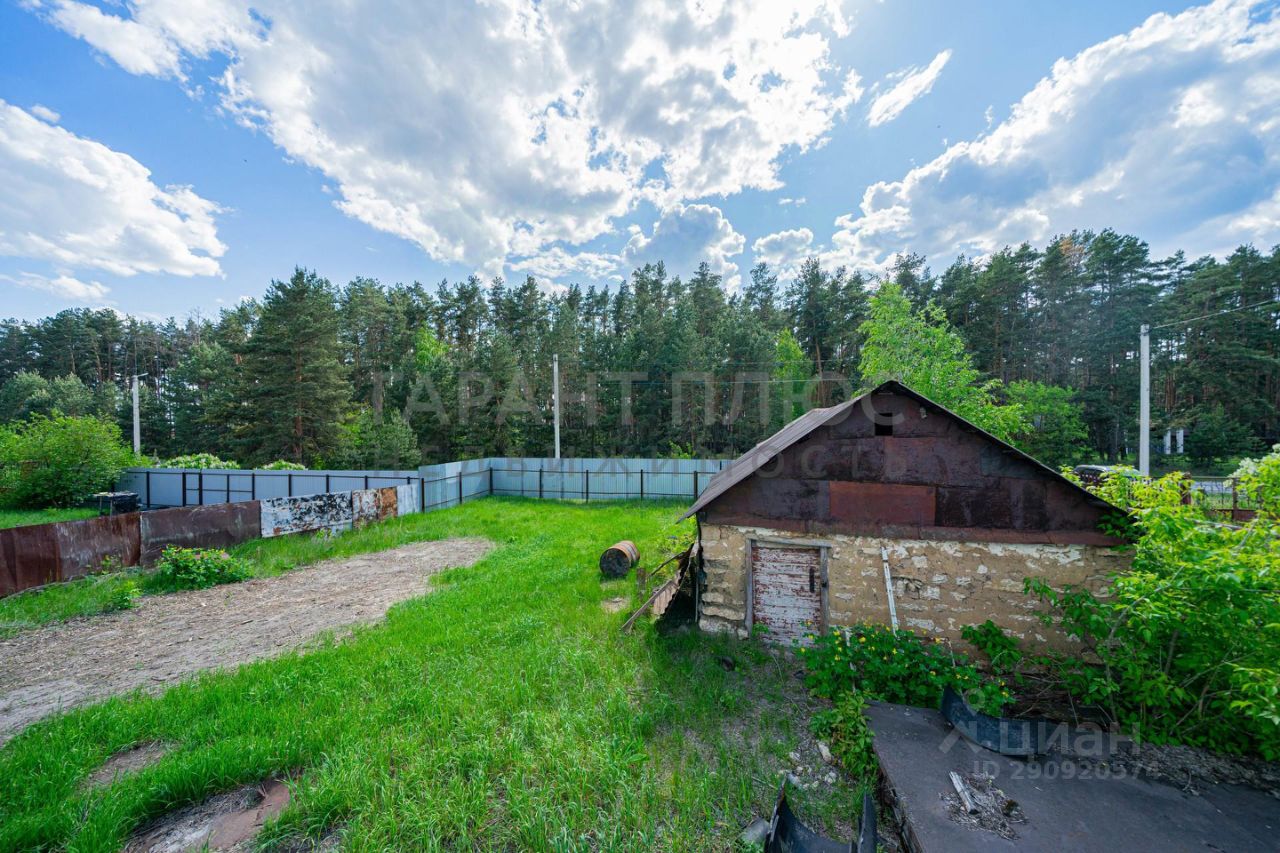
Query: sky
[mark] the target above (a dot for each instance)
(170, 157)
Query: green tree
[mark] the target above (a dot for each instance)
(1055, 434)
(294, 389)
(59, 461)
(375, 442)
(921, 350)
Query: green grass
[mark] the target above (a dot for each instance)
(502, 711)
(22, 517)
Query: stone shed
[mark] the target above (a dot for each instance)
(890, 508)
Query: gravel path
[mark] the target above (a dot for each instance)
(168, 637)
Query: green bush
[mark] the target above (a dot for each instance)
(195, 568)
(283, 465)
(1185, 645)
(895, 666)
(844, 727)
(200, 460)
(59, 461)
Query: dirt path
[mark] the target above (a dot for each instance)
(168, 637)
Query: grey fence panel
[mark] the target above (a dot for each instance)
(437, 486)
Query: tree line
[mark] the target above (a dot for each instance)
(369, 375)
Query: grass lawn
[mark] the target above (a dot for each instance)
(22, 517)
(502, 711)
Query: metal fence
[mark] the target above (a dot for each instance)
(444, 485)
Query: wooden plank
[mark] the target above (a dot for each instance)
(786, 590)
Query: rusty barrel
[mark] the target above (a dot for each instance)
(618, 559)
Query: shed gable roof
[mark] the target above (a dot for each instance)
(764, 452)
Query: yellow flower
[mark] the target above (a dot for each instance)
(862, 639)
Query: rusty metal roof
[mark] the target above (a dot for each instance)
(760, 455)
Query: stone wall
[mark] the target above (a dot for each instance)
(939, 586)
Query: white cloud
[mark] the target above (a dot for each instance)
(784, 251)
(558, 264)
(910, 85)
(792, 201)
(484, 132)
(1170, 132)
(683, 237)
(77, 203)
(43, 113)
(65, 286)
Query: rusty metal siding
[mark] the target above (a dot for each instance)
(213, 526)
(864, 504)
(85, 546)
(313, 512)
(369, 506)
(28, 557)
(935, 477)
(786, 590)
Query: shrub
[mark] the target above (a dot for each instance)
(59, 461)
(844, 727)
(895, 666)
(1185, 646)
(196, 568)
(123, 597)
(283, 465)
(200, 460)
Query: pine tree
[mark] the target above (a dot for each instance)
(294, 388)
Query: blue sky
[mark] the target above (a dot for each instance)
(167, 156)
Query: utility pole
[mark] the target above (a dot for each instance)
(1144, 402)
(137, 420)
(555, 397)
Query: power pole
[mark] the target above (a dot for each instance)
(137, 420)
(555, 397)
(1144, 402)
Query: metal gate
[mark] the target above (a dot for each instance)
(786, 590)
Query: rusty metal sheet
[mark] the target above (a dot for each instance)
(88, 546)
(331, 511)
(210, 526)
(784, 498)
(28, 558)
(883, 503)
(372, 505)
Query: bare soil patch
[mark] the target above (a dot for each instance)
(227, 822)
(169, 637)
(127, 761)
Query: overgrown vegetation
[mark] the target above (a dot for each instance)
(59, 461)
(895, 666)
(502, 711)
(206, 461)
(195, 568)
(1184, 647)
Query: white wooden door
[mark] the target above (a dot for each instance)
(786, 590)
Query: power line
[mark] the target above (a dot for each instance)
(1216, 314)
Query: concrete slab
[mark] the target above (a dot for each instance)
(1069, 805)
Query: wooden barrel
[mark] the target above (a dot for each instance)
(618, 559)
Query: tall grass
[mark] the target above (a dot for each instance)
(504, 710)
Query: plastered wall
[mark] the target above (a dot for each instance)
(939, 586)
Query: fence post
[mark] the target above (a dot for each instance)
(289, 483)
(587, 476)
(327, 488)
(253, 485)
(200, 486)
(696, 490)
(459, 486)
(148, 479)
(491, 481)
(228, 482)
(422, 493)
(539, 483)
(641, 484)
(366, 482)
